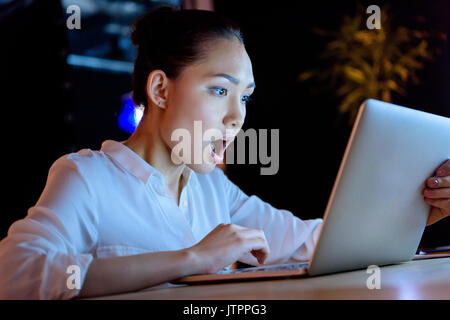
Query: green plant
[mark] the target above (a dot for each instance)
(362, 63)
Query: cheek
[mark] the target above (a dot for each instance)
(189, 103)
(188, 120)
(197, 107)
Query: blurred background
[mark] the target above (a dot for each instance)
(314, 62)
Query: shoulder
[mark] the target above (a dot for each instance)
(85, 162)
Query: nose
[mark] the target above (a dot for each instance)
(235, 116)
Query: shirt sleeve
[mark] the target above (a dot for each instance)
(288, 237)
(58, 233)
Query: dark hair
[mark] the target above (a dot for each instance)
(170, 39)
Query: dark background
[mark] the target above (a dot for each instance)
(51, 108)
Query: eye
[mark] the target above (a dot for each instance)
(219, 91)
(246, 99)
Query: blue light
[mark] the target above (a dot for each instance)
(130, 116)
(100, 64)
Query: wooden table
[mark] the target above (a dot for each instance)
(419, 279)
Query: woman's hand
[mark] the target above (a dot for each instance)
(226, 244)
(437, 193)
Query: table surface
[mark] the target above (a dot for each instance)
(418, 279)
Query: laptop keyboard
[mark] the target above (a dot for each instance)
(276, 267)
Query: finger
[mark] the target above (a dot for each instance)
(255, 241)
(438, 182)
(260, 255)
(254, 257)
(440, 203)
(259, 248)
(443, 169)
(437, 193)
(249, 258)
(435, 215)
(259, 243)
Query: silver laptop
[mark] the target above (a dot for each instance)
(376, 214)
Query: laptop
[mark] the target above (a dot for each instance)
(376, 214)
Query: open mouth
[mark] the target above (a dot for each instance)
(219, 146)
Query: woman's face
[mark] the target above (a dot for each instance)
(207, 103)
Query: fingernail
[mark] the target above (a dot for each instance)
(433, 182)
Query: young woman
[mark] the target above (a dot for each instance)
(136, 214)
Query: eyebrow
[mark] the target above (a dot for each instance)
(232, 79)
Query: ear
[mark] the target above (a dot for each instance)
(157, 87)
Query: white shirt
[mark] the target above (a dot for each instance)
(107, 203)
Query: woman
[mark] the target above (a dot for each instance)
(136, 214)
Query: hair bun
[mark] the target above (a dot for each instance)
(144, 29)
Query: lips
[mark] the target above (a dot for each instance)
(228, 140)
(220, 146)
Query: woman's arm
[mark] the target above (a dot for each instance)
(131, 273)
(58, 232)
(221, 247)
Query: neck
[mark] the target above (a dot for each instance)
(148, 144)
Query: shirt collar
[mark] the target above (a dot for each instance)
(137, 166)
